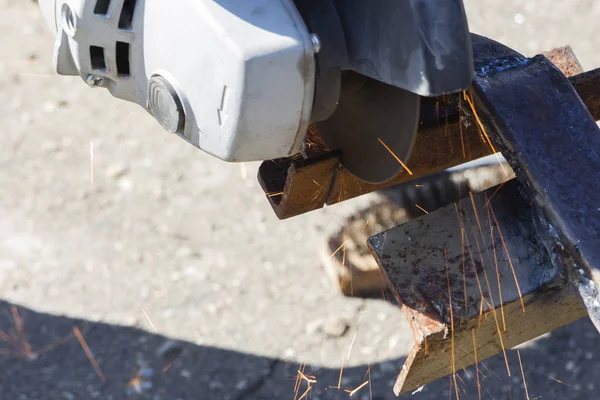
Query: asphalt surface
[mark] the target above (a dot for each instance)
(151, 243)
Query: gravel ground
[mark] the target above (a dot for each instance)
(175, 269)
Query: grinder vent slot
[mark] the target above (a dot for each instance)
(126, 18)
(102, 7)
(97, 58)
(123, 66)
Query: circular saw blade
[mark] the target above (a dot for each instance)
(370, 114)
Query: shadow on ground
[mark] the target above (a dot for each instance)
(561, 366)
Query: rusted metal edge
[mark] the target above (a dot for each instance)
(564, 59)
(472, 278)
(295, 186)
(442, 137)
(549, 136)
(587, 86)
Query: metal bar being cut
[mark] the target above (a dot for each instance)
(546, 132)
(447, 137)
(474, 279)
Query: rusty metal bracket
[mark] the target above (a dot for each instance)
(447, 137)
(474, 279)
(495, 271)
(552, 141)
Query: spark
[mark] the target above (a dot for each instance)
(419, 390)
(464, 266)
(169, 365)
(351, 344)
(309, 379)
(298, 381)
(470, 252)
(343, 267)
(354, 337)
(486, 136)
(274, 194)
(338, 249)
(493, 194)
(21, 335)
(4, 337)
(92, 162)
(318, 184)
(479, 123)
(88, 353)
(476, 363)
(150, 321)
(493, 310)
(419, 186)
(351, 272)
(446, 132)
(369, 380)
(460, 129)
(318, 192)
(477, 218)
(452, 354)
(353, 392)
(553, 379)
(490, 371)
(136, 381)
(342, 187)
(341, 374)
(395, 156)
(523, 374)
(243, 171)
(512, 268)
(18, 339)
(498, 277)
(308, 389)
(125, 127)
(422, 209)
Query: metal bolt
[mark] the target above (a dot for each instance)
(94, 81)
(316, 42)
(68, 20)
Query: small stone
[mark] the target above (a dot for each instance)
(335, 327)
(185, 374)
(116, 171)
(332, 327)
(169, 351)
(241, 385)
(314, 326)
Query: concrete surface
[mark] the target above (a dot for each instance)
(166, 231)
